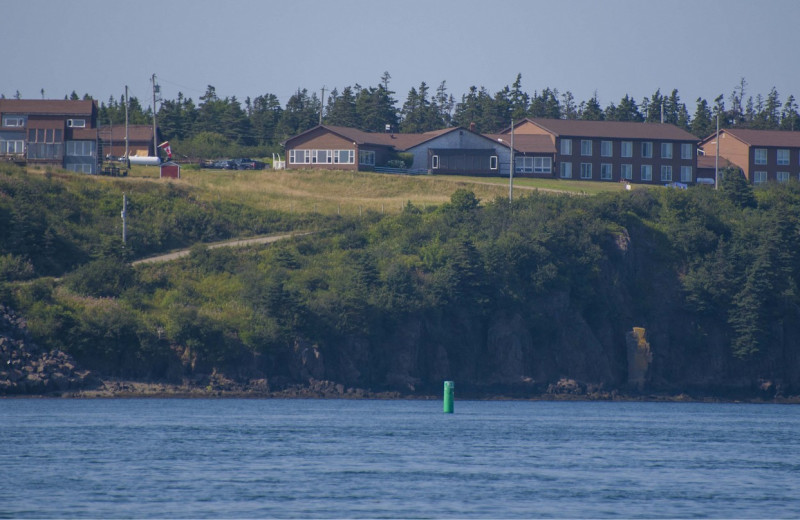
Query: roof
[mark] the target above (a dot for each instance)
(763, 137)
(612, 129)
(135, 133)
(61, 107)
(709, 162)
(395, 140)
(527, 143)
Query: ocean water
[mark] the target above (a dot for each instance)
(241, 458)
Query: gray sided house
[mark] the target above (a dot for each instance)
(457, 151)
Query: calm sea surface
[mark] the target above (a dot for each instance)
(171, 458)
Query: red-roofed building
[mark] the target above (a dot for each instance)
(57, 132)
(763, 155)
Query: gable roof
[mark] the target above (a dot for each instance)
(610, 129)
(761, 137)
(55, 107)
(394, 140)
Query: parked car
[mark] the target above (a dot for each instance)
(249, 164)
(225, 164)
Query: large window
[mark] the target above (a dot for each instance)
(606, 149)
(647, 172)
(760, 155)
(346, 156)
(45, 135)
(606, 172)
(81, 148)
(566, 170)
(13, 121)
(299, 156)
(15, 147)
(586, 170)
(782, 176)
(647, 149)
(783, 157)
(686, 174)
(626, 149)
(366, 157)
(666, 150)
(533, 164)
(686, 150)
(759, 177)
(566, 147)
(626, 171)
(586, 147)
(321, 156)
(666, 173)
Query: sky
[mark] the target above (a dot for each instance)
(248, 48)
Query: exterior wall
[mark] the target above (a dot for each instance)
(458, 139)
(772, 167)
(731, 149)
(321, 139)
(616, 161)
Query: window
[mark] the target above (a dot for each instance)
(493, 162)
(666, 150)
(783, 157)
(686, 174)
(367, 157)
(626, 149)
(686, 151)
(533, 164)
(760, 155)
(586, 170)
(13, 121)
(566, 170)
(666, 173)
(15, 147)
(586, 147)
(76, 123)
(606, 149)
(80, 148)
(320, 156)
(542, 165)
(647, 149)
(299, 156)
(344, 156)
(606, 172)
(434, 162)
(566, 147)
(647, 172)
(626, 171)
(782, 176)
(759, 177)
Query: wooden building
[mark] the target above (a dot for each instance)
(57, 132)
(763, 155)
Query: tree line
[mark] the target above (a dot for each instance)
(215, 126)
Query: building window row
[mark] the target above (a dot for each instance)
(45, 135)
(15, 147)
(626, 172)
(626, 149)
(533, 164)
(322, 156)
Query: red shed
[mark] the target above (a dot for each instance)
(171, 170)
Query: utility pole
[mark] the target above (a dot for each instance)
(156, 89)
(511, 168)
(322, 104)
(124, 214)
(126, 123)
(716, 157)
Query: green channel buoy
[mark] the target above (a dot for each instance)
(449, 387)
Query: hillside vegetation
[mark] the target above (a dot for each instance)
(524, 299)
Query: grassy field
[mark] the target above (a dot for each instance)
(344, 192)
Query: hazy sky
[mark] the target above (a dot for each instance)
(254, 47)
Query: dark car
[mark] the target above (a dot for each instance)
(249, 164)
(225, 164)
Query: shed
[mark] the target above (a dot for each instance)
(171, 170)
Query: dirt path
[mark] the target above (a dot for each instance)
(238, 242)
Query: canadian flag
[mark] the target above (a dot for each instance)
(166, 147)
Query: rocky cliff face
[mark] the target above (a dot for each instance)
(27, 369)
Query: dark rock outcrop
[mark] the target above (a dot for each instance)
(27, 369)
